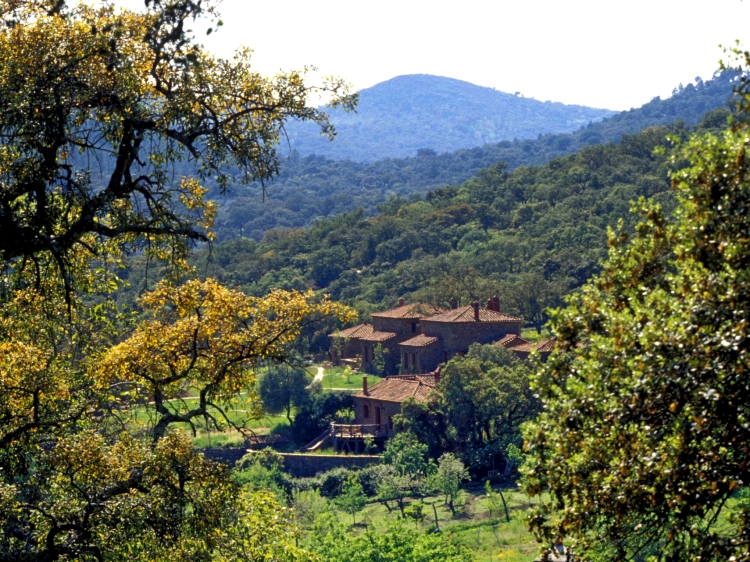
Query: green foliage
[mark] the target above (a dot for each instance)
(312, 188)
(448, 477)
(483, 399)
(98, 106)
(263, 470)
(315, 415)
(398, 543)
(545, 237)
(378, 359)
(407, 456)
(643, 438)
(309, 507)
(282, 387)
(352, 497)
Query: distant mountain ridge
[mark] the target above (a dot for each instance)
(397, 117)
(313, 187)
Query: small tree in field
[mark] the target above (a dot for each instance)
(447, 480)
(352, 498)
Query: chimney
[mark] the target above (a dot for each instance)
(454, 303)
(496, 303)
(401, 301)
(490, 304)
(475, 304)
(437, 374)
(364, 385)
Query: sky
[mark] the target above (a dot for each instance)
(607, 54)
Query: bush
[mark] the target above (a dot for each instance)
(331, 483)
(264, 470)
(370, 477)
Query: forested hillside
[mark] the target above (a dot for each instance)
(530, 235)
(312, 187)
(399, 116)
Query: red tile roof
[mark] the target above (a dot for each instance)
(415, 310)
(544, 346)
(397, 390)
(379, 336)
(358, 331)
(466, 314)
(512, 340)
(421, 340)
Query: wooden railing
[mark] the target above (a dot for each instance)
(358, 430)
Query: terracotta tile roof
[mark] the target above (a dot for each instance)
(466, 314)
(426, 378)
(415, 310)
(379, 336)
(397, 390)
(512, 340)
(358, 331)
(421, 340)
(546, 346)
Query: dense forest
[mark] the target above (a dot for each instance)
(313, 187)
(530, 235)
(399, 116)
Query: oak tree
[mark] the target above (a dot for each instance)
(643, 441)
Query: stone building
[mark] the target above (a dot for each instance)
(416, 338)
(375, 406)
(346, 343)
(390, 328)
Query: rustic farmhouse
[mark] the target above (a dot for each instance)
(415, 340)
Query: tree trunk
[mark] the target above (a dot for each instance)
(505, 506)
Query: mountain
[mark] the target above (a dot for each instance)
(397, 117)
(313, 187)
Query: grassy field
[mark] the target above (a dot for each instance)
(334, 378)
(240, 412)
(485, 531)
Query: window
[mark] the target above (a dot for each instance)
(445, 356)
(413, 327)
(365, 411)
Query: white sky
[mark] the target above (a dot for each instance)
(599, 53)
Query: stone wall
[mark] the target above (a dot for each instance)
(301, 464)
(297, 464)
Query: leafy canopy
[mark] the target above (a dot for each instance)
(96, 107)
(643, 441)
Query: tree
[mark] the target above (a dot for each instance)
(281, 387)
(410, 469)
(352, 498)
(100, 106)
(485, 396)
(643, 441)
(207, 339)
(315, 415)
(447, 480)
(99, 110)
(378, 359)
